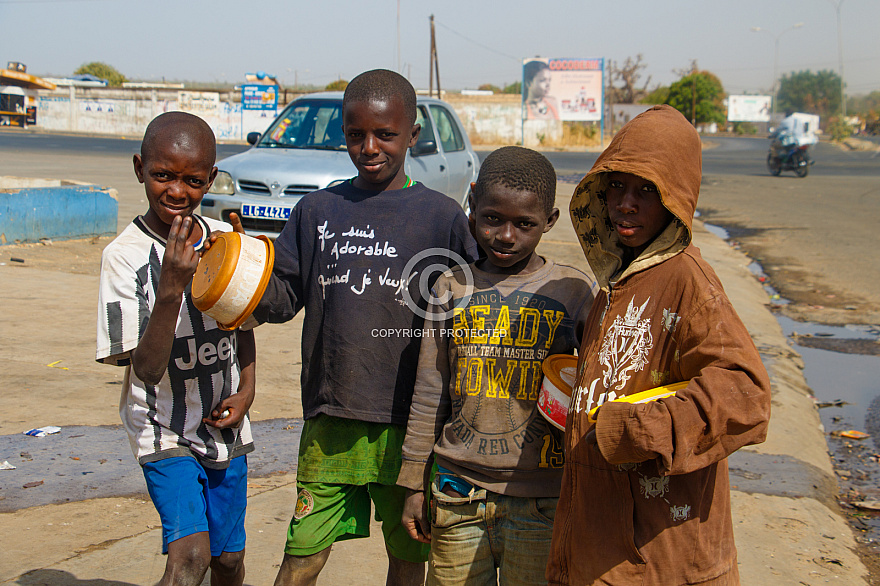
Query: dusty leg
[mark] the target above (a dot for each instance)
(227, 569)
(188, 559)
(403, 573)
(301, 570)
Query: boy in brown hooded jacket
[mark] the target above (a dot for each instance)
(645, 495)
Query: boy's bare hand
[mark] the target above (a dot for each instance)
(180, 260)
(236, 223)
(415, 518)
(236, 227)
(237, 407)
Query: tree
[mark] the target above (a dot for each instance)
(863, 105)
(805, 91)
(490, 88)
(337, 86)
(102, 70)
(513, 88)
(658, 95)
(627, 77)
(703, 89)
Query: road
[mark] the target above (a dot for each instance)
(728, 155)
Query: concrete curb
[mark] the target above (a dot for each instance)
(31, 210)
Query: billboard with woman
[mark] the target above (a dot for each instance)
(562, 89)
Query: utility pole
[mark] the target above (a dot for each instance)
(610, 100)
(433, 66)
(694, 92)
(398, 37)
(775, 88)
(837, 4)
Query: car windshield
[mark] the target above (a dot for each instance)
(307, 124)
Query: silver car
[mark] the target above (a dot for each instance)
(304, 150)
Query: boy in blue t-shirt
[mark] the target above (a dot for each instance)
(351, 257)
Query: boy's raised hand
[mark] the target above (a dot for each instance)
(414, 517)
(180, 261)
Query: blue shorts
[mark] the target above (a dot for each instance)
(191, 499)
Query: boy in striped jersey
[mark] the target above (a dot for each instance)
(188, 384)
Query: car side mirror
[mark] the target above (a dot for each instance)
(253, 137)
(424, 147)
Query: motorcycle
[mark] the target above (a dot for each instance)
(786, 154)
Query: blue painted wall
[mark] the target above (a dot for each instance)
(59, 213)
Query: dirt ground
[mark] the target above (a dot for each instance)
(51, 378)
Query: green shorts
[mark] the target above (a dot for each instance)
(326, 513)
(343, 465)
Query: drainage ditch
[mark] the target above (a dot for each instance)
(842, 368)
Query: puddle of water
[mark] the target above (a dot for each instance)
(852, 378)
(717, 231)
(772, 293)
(849, 332)
(833, 376)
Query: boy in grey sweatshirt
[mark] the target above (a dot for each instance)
(474, 409)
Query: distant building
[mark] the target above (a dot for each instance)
(17, 94)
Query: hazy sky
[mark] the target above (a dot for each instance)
(478, 41)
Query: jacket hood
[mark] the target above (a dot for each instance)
(659, 145)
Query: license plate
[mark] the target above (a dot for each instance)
(269, 212)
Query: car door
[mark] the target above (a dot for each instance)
(459, 164)
(427, 163)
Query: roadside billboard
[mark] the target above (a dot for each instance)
(259, 106)
(749, 108)
(562, 89)
(259, 97)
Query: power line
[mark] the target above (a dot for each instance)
(468, 39)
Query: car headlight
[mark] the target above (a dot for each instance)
(337, 182)
(223, 184)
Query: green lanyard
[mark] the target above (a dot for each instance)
(409, 182)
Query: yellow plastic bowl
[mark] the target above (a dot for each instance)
(232, 277)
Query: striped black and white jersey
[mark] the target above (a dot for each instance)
(165, 420)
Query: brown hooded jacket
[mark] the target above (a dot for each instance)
(645, 494)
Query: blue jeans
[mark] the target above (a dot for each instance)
(489, 538)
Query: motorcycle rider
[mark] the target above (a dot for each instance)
(788, 133)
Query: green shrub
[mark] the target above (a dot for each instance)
(744, 128)
(839, 130)
(337, 86)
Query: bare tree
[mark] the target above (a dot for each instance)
(625, 81)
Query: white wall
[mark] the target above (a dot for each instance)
(128, 112)
(488, 120)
